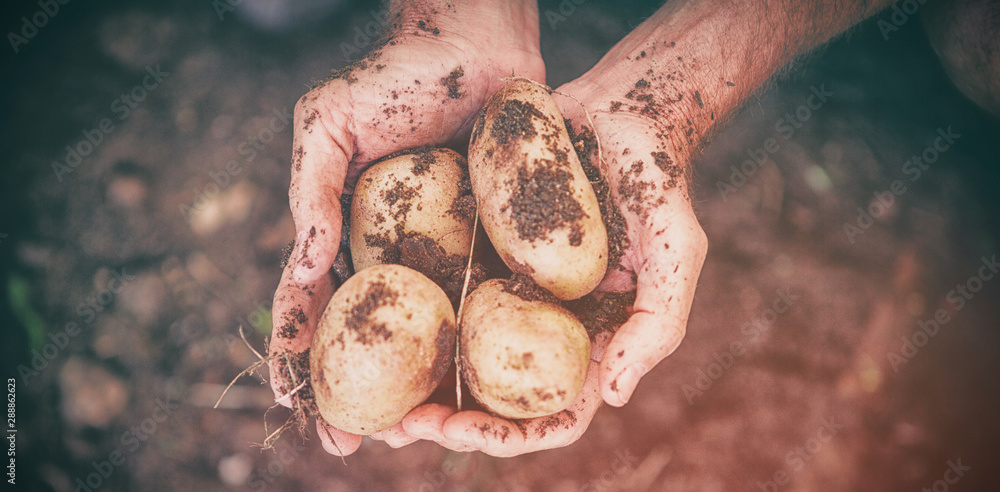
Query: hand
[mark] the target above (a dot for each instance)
(666, 251)
(422, 87)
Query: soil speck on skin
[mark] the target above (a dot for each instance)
(565, 418)
(542, 201)
(358, 320)
(297, 155)
(286, 254)
(633, 191)
(294, 317)
(426, 26)
(308, 121)
(673, 172)
(451, 82)
(697, 97)
(513, 122)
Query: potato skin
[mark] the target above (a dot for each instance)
(521, 359)
(384, 342)
(535, 201)
(419, 192)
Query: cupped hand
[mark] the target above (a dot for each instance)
(667, 247)
(422, 86)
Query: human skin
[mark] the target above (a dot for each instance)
(660, 91)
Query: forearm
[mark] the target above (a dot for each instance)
(692, 63)
(478, 20)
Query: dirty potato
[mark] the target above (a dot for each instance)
(386, 339)
(535, 201)
(521, 357)
(418, 196)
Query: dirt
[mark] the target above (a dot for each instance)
(377, 295)
(514, 121)
(464, 206)
(452, 84)
(293, 369)
(602, 312)
(399, 199)
(423, 159)
(426, 27)
(424, 255)
(542, 201)
(585, 144)
(524, 287)
(633, 192)
(291, 322)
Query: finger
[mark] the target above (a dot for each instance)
(296, 311)
(427, 422)
(322, 149)
(335, 442)
(394, 436)
(500, 437)
(671, 253)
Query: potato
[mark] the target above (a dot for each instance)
(413, 195)
(384, 342)
(534, 199)
(521, 358)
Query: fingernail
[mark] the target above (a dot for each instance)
(624, 385)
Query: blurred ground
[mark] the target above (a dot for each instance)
(131, 310)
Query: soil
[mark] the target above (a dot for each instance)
(585, 144)
(542, 201)
(524, 287)
(513, 122)
(377, 295)
(452, 84)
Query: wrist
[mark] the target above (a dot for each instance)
(505, 32)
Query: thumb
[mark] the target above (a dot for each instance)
(665, 286)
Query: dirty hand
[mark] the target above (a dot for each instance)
(423, 86)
